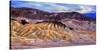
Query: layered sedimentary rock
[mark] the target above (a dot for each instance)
(29, 26)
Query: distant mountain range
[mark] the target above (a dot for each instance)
(31, 13)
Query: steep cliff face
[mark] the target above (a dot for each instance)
(40, 29)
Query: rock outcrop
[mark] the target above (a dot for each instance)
(38, 28)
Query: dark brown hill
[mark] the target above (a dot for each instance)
(31, 13)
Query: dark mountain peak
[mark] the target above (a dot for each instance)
(73, 12)
(31, 13)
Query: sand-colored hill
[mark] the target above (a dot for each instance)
(48, 31)
(32, 28)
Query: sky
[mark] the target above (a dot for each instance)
(89, 10)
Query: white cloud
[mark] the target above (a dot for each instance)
(86, 9)
(53, 7)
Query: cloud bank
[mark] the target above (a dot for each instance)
(55, 7)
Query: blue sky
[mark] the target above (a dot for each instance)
(89, 10)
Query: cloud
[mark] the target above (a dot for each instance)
(55, 7)
(86, 9)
